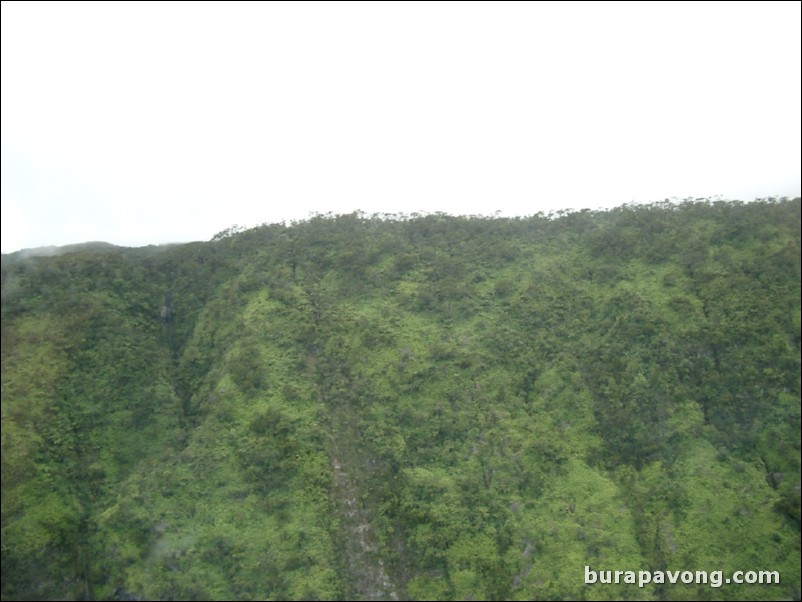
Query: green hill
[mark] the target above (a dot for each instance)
(408, 407)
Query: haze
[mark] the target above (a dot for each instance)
(139, 123)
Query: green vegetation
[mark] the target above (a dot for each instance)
(408, 407)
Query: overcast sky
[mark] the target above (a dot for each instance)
(138, 123)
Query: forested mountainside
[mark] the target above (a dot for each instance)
(408, 407)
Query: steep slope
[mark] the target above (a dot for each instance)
(427, 407)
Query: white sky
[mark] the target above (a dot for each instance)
(139, 123)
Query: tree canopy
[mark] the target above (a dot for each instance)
(423, 407)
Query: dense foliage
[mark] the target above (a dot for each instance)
(408, 407)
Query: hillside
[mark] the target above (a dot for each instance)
(411, 407)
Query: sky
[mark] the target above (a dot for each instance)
(145, 123)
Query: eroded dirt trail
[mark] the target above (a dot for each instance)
(368, 577)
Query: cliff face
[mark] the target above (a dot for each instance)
(428, 407)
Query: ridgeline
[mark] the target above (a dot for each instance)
(408, 407)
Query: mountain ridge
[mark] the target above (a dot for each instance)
(511, 398)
